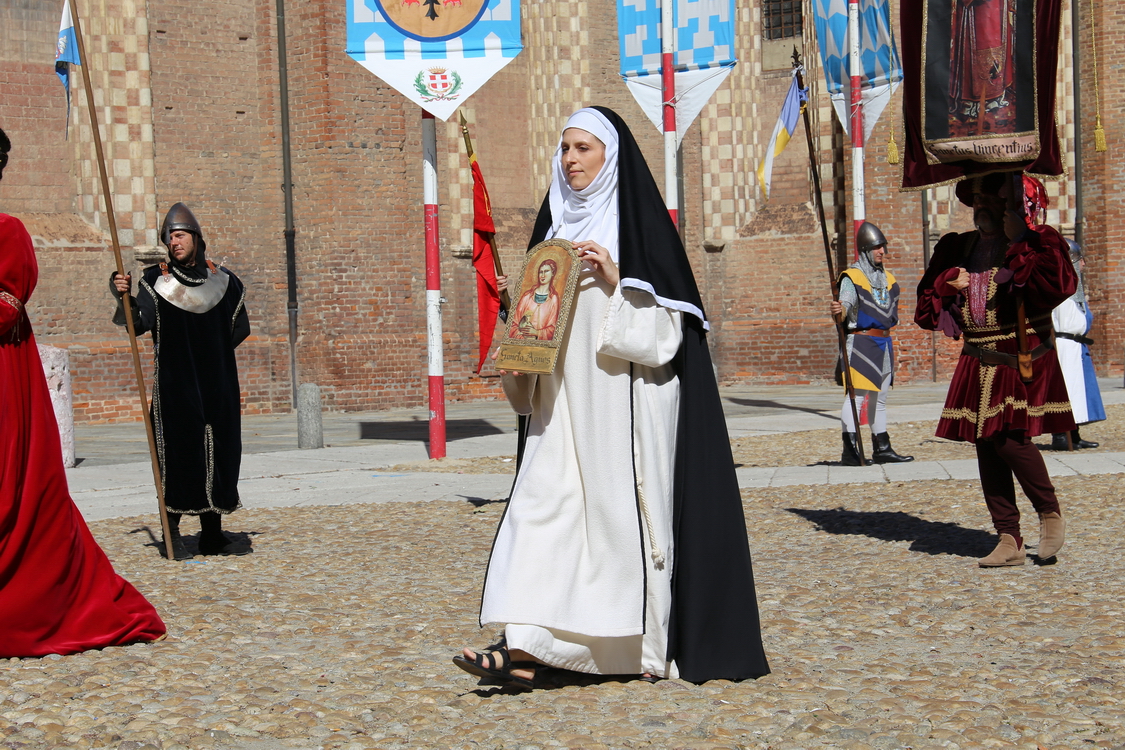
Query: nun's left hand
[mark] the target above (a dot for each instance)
(599, 259)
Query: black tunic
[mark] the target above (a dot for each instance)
(195, 395)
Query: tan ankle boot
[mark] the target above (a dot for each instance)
(1006, 553)
(1052, 534)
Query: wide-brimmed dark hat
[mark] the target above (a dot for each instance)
(988, 184)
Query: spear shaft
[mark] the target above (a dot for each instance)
(96, 133)
(840, 332)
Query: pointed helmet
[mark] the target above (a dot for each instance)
(179, 217)
(869, 237)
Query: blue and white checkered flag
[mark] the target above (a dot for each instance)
(436, 53)
(703, 59)
(66, 52)
(882, 71)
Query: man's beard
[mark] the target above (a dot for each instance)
(986, 221)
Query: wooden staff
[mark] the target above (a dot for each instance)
(505, 300)
(840, 332)
(1023, 355)
(83, 63)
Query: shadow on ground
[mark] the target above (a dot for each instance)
(419, 429)
(550, 678)
(929, 537)
(762, 404)
(191, 541)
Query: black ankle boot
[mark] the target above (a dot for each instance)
(850, 456)
(884, 453)
(1058, 442)
(1078, 442)
(179, 552)
(212, 540)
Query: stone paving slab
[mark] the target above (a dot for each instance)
(961, 469)
(1096, 463)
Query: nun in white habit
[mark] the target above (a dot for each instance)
(581, 571)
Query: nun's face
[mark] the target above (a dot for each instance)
(582, 157)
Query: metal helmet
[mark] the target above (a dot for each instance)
(179, 217)
(1075, 250)
(869, 237)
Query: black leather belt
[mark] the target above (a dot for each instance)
(991, 357)
(1075, 337)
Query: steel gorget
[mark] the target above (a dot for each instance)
(193, 298)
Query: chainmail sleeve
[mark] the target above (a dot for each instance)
(850, 300)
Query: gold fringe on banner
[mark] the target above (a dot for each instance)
(1099, 133)
(892, 147)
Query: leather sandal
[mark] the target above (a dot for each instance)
(498, 665)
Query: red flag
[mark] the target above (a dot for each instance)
(488, 295)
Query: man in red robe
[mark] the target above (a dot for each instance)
(974, 286)
(59, 593)
(980, 69)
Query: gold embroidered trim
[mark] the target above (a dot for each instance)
(12, 300)
(971, 415)
(16, 332)
(988, 379)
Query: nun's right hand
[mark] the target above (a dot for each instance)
(599, 258)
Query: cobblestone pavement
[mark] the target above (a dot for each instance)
(337, 632)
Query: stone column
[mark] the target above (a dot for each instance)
(310, 431)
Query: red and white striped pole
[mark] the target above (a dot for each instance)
(668, 80)
(859, 208)
(433, 287)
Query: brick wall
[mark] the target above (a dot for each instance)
(189, 92)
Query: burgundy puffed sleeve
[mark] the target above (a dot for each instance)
(938, 302)
(1039, 266)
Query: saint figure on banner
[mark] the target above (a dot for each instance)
(981, 91)
(537, 312)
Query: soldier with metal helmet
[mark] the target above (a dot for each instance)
(197, 315)
(869, 304)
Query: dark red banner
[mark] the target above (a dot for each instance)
(979, 88)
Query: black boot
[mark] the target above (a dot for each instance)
(179, 552)
(850, 456)
(1078, 442)
(884, 453)
(212, 540)
(1058, 442)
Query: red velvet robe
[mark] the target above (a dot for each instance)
(984, 400)
(59, 593)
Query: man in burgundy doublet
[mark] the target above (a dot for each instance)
(973, 288)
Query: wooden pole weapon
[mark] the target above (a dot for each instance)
(840, 332)
(96, 132)
(505, 300)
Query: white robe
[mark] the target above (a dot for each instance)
(1070, 318)
(572, 574)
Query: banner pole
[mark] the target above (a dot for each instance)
(841, 335)
(505, 299)
(668, 87)
(859, 200)
(433, 287)
(112, 219)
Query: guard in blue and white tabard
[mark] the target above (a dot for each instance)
(869, 304)
(1072, 320)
